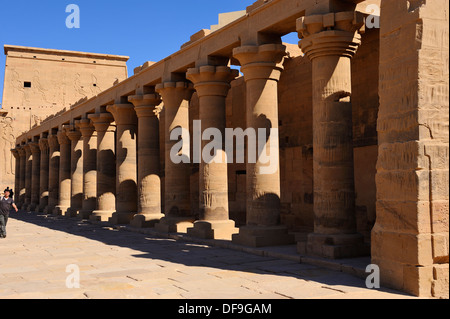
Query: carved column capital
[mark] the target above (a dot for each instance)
(175, 90)
(102, 121)
(124, 114)
(35, 148)
(62, 138)
(27, 148)
(261, 62)
(15, 152)
(72, 132)
(212, 80)
(43, 144)
(21, 151)
(53, 141)
(145, 105)
(86, 127)
(330, 34)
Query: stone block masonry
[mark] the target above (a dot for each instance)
(362, 122)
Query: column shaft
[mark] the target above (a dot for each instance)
(126, 162)
(89, 167)
(262, 66)
(53, 173)
(22, 156)
(28, 176)
(76, 170)
(35, 176)
(44, 174)
(16, 188)
(212, 86)
(178, 215)
(106, 166)
(148, 159)
(330, 52)
(64, 175)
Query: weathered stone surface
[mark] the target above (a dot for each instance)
(412, 177)
(362, 121)
(77, 75)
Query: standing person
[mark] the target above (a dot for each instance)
(6, 204)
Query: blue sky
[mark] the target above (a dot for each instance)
(143, 30)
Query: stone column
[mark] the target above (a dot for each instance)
(21, 190)
(126, 161)
(64, 175)
(44, 174)
(212, 84)
(330, 41)
(15, 152)
(178, 214)
(148, 161)
(28, 176)
(76, 170)
(262, 66)
(89, 167)
(53, 173)
(35, 176)
(106, 166)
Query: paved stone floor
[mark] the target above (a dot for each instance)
(122, 264)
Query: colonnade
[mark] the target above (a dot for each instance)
(106, 166)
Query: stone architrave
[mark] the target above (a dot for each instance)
(126, 161)
(65, 183)
(148, 161)
(178, 215)
(89, 135)
(44, 174)
(106, 166)
(330, 41)
(212, 84)
(262, 66)
(76, 170)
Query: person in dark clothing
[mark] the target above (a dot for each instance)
(6, 204)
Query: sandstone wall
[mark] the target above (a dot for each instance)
(410, 238)
(42, 82)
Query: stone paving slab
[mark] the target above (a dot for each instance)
(121, 264)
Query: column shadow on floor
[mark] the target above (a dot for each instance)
(191, 254)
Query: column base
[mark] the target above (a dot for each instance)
(101, 215)
(84, 214)
(174, 225)
(32, 207)
(261, 236)
(71, 213)
(221, 229)
(146, 220)
(41, 209)
(60, 210)
(121, 218)
(335, 246)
